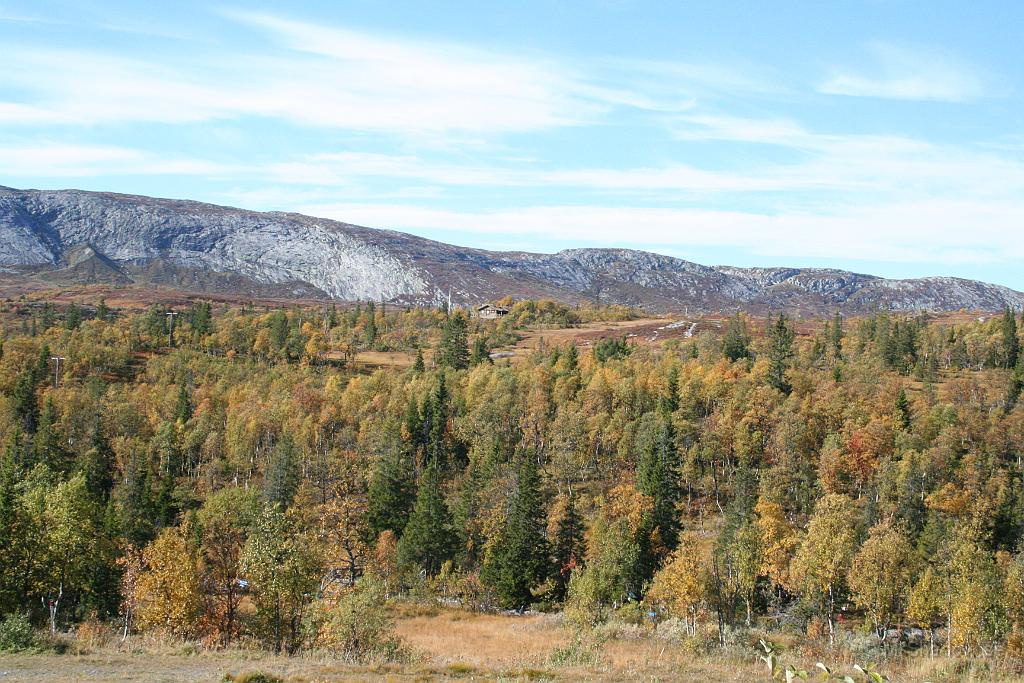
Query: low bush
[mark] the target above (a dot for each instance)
(16, 633)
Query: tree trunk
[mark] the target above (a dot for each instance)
(831, 617)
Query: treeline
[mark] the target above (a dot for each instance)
(219, 480)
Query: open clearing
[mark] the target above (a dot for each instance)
(452, 644)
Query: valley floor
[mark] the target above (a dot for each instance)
(450, 645)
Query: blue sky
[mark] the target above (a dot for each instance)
(883, 137)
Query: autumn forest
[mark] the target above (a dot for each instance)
(232, 475)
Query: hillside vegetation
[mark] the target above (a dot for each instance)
(231, 477)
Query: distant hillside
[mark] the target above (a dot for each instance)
(71, 236)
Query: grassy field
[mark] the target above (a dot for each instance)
(458, 645)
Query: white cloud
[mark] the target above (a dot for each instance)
(55, 160)
(902, 73)
(309, 75)
(939, 231)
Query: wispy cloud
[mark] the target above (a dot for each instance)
(937, 231)
(58, 160)
(315, 76)
(903, 73)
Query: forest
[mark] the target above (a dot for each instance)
(229, 475)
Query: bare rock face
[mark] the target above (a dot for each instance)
(75, 236)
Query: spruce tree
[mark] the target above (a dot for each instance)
(391, 493)
(567, 547)
(97, 464)
(453, 351)
(903, 414)
(835, 336)
(26, 408)
(429, 538)
(657, 476)
(780, 350)
(736, 343)
(1011, 343)
(283, 476)
(72, 317)
(102, 311)
(48, 446)
(572, 358)
(419, 366)
(668, 403)
(518, 562)
(480, 353)
(183, 404)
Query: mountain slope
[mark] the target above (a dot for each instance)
(76, 236)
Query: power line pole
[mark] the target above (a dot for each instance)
(170, 327)
(56, 369)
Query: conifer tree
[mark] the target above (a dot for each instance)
(480, 353)
(453, 351)
(391, 493)
(835, 335)
(429, 538)
(668, 403)
(903, 414)
(419, 366)
(183, 404)
(657, 476)
(26, 409)
(97, 464)
(48, 447)
(282, 480)
(567, 546)
(736, 342)
(572, 358)
(1011, 343)
(72, 317)
(780, 351)
(518, 561)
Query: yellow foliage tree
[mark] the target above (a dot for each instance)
(680, 586)
(167, 590)
(880, 577)
(823, 560)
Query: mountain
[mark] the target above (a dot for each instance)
(71, 236)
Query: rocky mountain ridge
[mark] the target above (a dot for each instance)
(78, 236)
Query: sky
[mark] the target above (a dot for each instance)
(879, 136)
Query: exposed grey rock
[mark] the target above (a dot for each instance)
(70, 235)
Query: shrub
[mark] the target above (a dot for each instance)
(16, 633)
(358, 626)
(252, 677)
(583, 650)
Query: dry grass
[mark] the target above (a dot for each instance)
(482, 640)
(456, 644)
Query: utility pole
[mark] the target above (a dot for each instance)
(170, 327)
(56, 369)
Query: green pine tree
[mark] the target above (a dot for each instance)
(1011, 343)
(283, 476)
(657, 476)
(391, 493)
(97, 464)
(453, 351)
(183, 404)
(903, 414)
(567, 547)
(736, 342)
(49, 449)
(518, 562)
(429, 538)
(480, 353)
(780, 351)
(835, 336)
